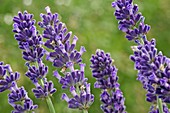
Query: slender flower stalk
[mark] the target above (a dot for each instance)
(18, 97)
(64, 56)
(152, 65)
(31, 43)
(107, 80)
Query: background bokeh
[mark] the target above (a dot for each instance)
(93, 22)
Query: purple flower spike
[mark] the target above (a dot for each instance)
(130, 20)
(27, 36)
(107, 80)
(152, 69)
(31, 43)
(62, 53)
(152, 66)
(45, 90)
(58, 39)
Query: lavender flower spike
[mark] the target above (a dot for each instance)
(31, 43)
(153, 66)
(106, 79)
(64, 56)
(58, 40)
(130, 20)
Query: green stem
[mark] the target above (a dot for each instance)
(85, 111)
(50, 105)
(49, 102)
(160, 106)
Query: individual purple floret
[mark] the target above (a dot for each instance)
(58, 40)
(81, 101)
(130, 20)
(107, 80)
(45, 90)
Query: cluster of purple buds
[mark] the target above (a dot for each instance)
(153, 67)
(26, 35)
(31, 44)
(107, 80)
(153, 71)
(64, 56)
(79, 88)
(17, 97)
(130, 20)
(58, 40)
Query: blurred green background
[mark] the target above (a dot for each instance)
(93, 22)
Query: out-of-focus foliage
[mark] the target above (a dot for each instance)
(93, 22)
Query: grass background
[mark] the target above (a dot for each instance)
(93, 22)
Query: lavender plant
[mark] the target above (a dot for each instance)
(63, 55)
(152, 65)
(59, 47)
